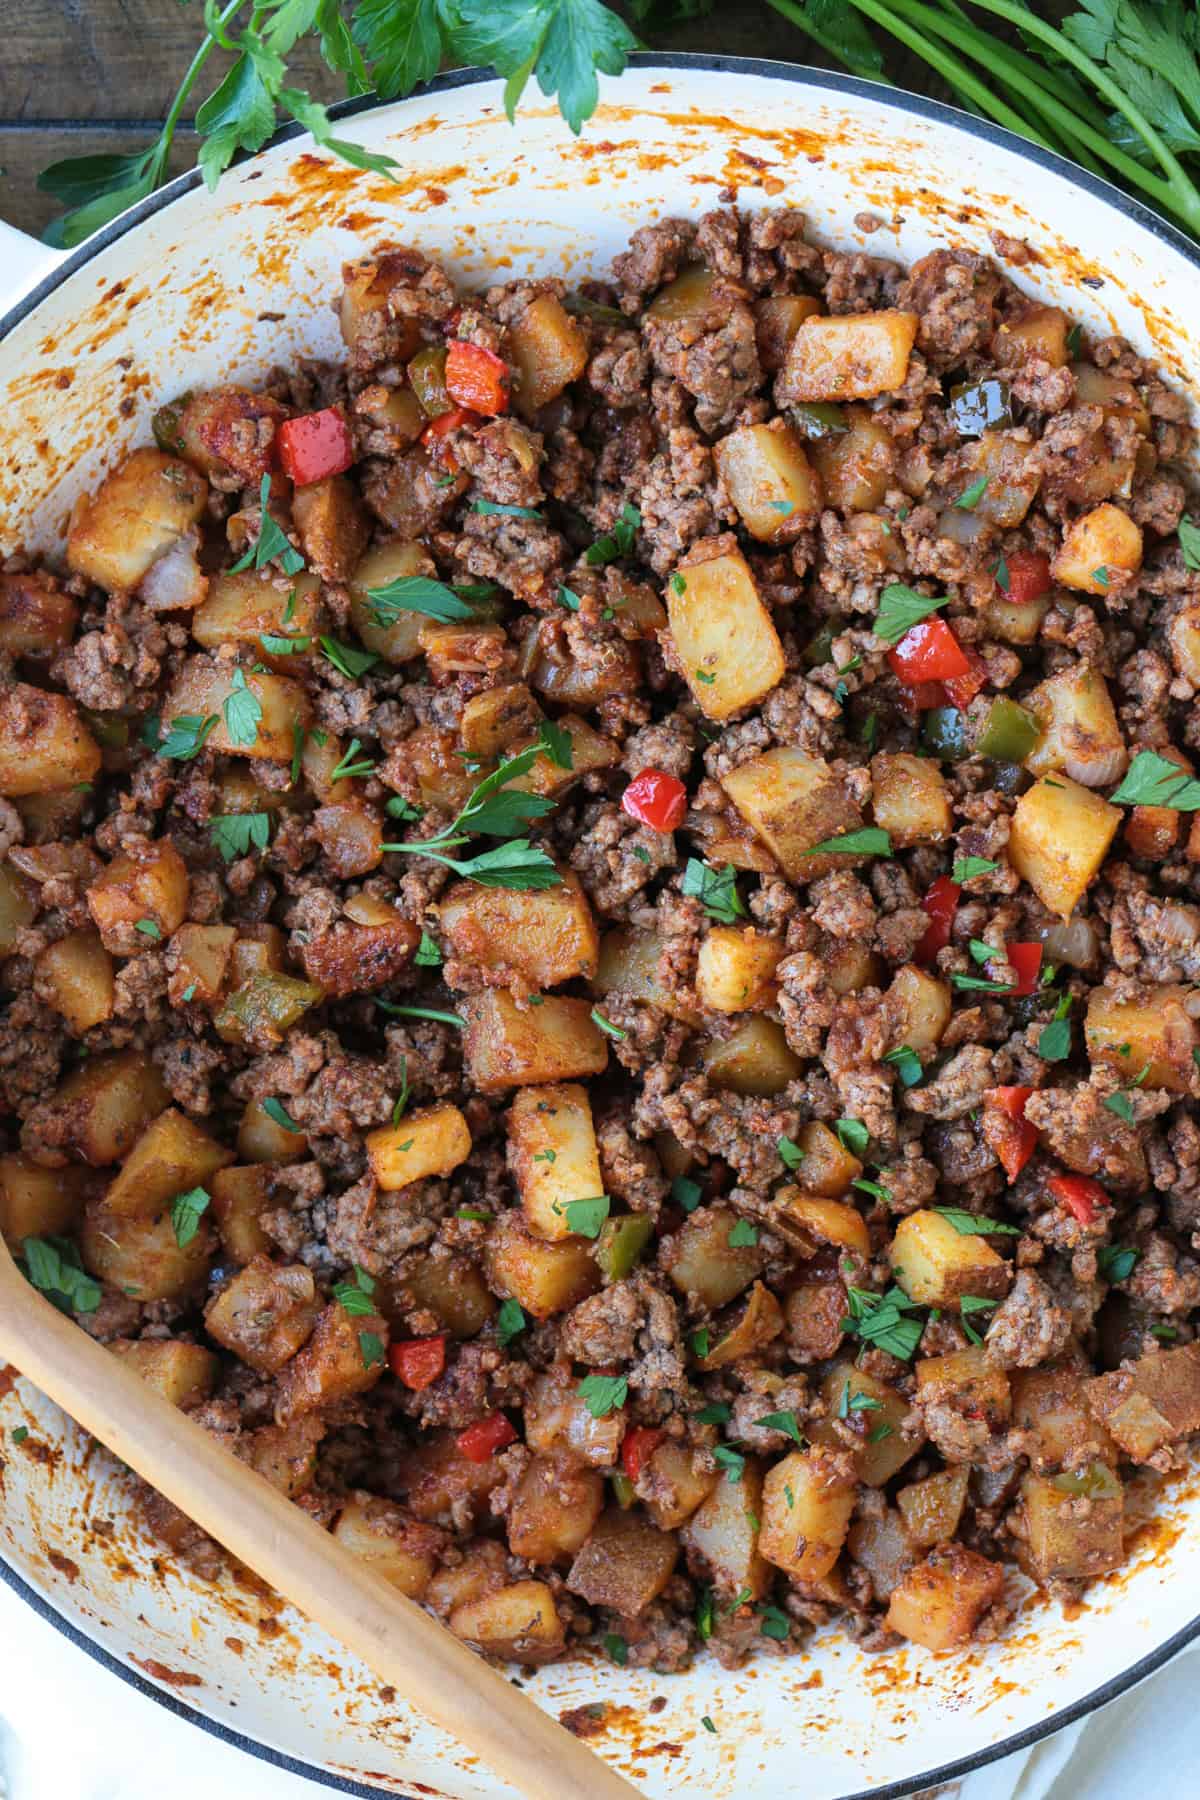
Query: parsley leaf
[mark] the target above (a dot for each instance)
(787, 1422)
(418, 593)
(149, 928)
(242, 710)
(557, 743)
(716, 890)
(970, 497)
(606, 1025)
(880, 1319)
(980, 983)
(561, 42)
(510, 1323)
(348, 660)
(872, 840)
(1054, 1042)
(603, 1394)
(742, 1235)
(187, 1210)
(732, 1461)
(907, 1064)
(775, 1622)
(617, 1647)
(852, 1135)
(492, 509)
(347, 769)
(370, 1348)
(968, 1223)
(428, 954)
(618, 542)
(272, 544)
(967, 867)
(1151, 780)
(53, 1266)
(585, 1217)
(1116, 1262)
(1119, 1104)
(900, 608)
(685, 1193)
(187, 736)
(236, 834)
(718, 1412)
(790, 1153)
(1189, 542)
(973, 1304)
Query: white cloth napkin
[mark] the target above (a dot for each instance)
(70, 1730)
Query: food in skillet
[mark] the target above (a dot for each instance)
(600, 939)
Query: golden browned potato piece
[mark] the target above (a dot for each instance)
(1059, 837)
(366, 949)
(722, 1535)
(203, 689)
(519, 1623)
(909, 799)
(75, 976)
(1098, 551)
(723, 637)
(394, 1545)
(807, 1501)
(552, 1154)
(544, 1278)
(770, 480)
(559, 1422)
(625, 1564)
(36, 617)
(242, 608)
(754, 1059)
(936, 1264)
(1147, 1028)
(184, 1374)
(333, 526)
(226, 431)
(848, 356)
(940, 1602)
(554, 1508)
(38, 1202)
(793, 801)
(549, 350)
(265, 1313)
(102, 1108)
(138, 512)
(931, 1509)
(44, 744)
(17, 907)
(736, 967)
(1079, 730)
(433, 1141)
(862, 1403)
(1154, 1403)
(143, 1257)
(239, 1197)
(700, 1260)
(172, 1156)
(548, 936)
(504, 1046)
(345, 1355)
(141, 897)
(1073, 1523)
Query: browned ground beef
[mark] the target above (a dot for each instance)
(763, 1251)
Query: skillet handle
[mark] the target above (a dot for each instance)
(23, 263)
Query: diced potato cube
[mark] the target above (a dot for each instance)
(107, 1104)
(548, 936)
(824, 1221)
(940, 1602)
(856, 466)
(625, 1564)
(399, 559)
(721, 1537)
(361, 953)
(395, 1546)
(545, 1278)
(44, 743)
(17, 907)
(351, 837)
(552, 1153)
(630, 964)
(333, 526)
(200, 957)
(1050, 1406)
(847, 356)
(881, 1546)
(725, 641)
(494, 721)
(345, 1355)
(936, 1264)
(744, 1329)
(37, 1202)
(224, 431)
(286, 1455)
(1073, 1524)
(1183, 636)
(75, 976)
(453, 1289)
(184, 1374)
(770, 481)
(1080, 733)
(146, 887)
(1152, 1030)
(504, 1046)
(202, 689)
(440, 1484)
(241, 608)
(549, 349)
(172, 1156)
(262, 1139)
(736, 967)
(36, 617)
(807, 1501)
(931, 1509)
(671, 1484)
(265, 1313)
(967, 1379)
(701, 1262)
(239, 1197)
(1154, 1403)
(519, 1623)
(753, 1059)
(1098, 550)
(777, 319)
(461, 649)
(1040, 332)
(554, 1508)
(1059, 837)
(433, 1141)
(137, 513)
(910, 799)
(558, 1421)
(589, 751)
(1004, 461)
(827, 1168)
(793, 801)
(142, 1257)
(919, 1007)
(862, 1403)
(1014, 621)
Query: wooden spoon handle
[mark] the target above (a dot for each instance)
(404, 1646)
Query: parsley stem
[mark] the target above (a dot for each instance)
(213, 37)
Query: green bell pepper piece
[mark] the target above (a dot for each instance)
(1009, 732)
(944, 733)
(427, 374)
(979, 406)
(819, 418)
(621, 1242)
(623, 1492)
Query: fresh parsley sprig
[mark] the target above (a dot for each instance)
(493, 809)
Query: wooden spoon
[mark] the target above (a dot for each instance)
(404, 1646)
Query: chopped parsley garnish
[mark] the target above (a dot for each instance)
(678, 583)
(494, 810)
(852, 1403)
(704, 676)
(557, 743)
(1119, 1104)
(278, 1113)
(569, 599)
(705, 1615)
(402, 1097)
(980, 983)
(347, 659)
(967, 867)
(420, 1012)
(1151, 780)
(718, 1413)
(775, 1622)
(742, 1235)
(370, 1347)
(732, 1461)
(882, 1320)
(236, 834)
(618, 541)
(708, 1724)
(603, 1394)
(277, 643)
(354, 1297)
(1116, 1262)
(53, 1266)
(906, 1063)
(585, 1217)
(787, 1422)
(492, 509)
(716, 890)
(347, 769)
(271, 544)
(149, 928)
(186, 736)
(189, 992)
(880, 1432)
(1054, 1042)
(852, 1135)
(872, 840)
(616, 1647)
(400, 808)
(874, 1188)
(242, 710)
(187, 1210)
(969, 1224)
(700, 1341)
(606, 1025)
(685, 1193)
(790, 1153)
(973, 1304)
(419, 594)
(510, 1323)
(900, 608)
(970, 497)
(19, 1434)
(428, 955)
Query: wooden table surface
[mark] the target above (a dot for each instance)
(82, 76)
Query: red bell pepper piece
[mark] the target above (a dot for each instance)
(485, 1437)
(639, 1446)
(418, 1361)
(656, 799)
(923, 696)
(961, 689)
(315, 446)
(940, 903)
(476, 377)
(929, 652)
(1079, 1194)
(1011, 1136)
(1028, 576)
(1026, 961)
